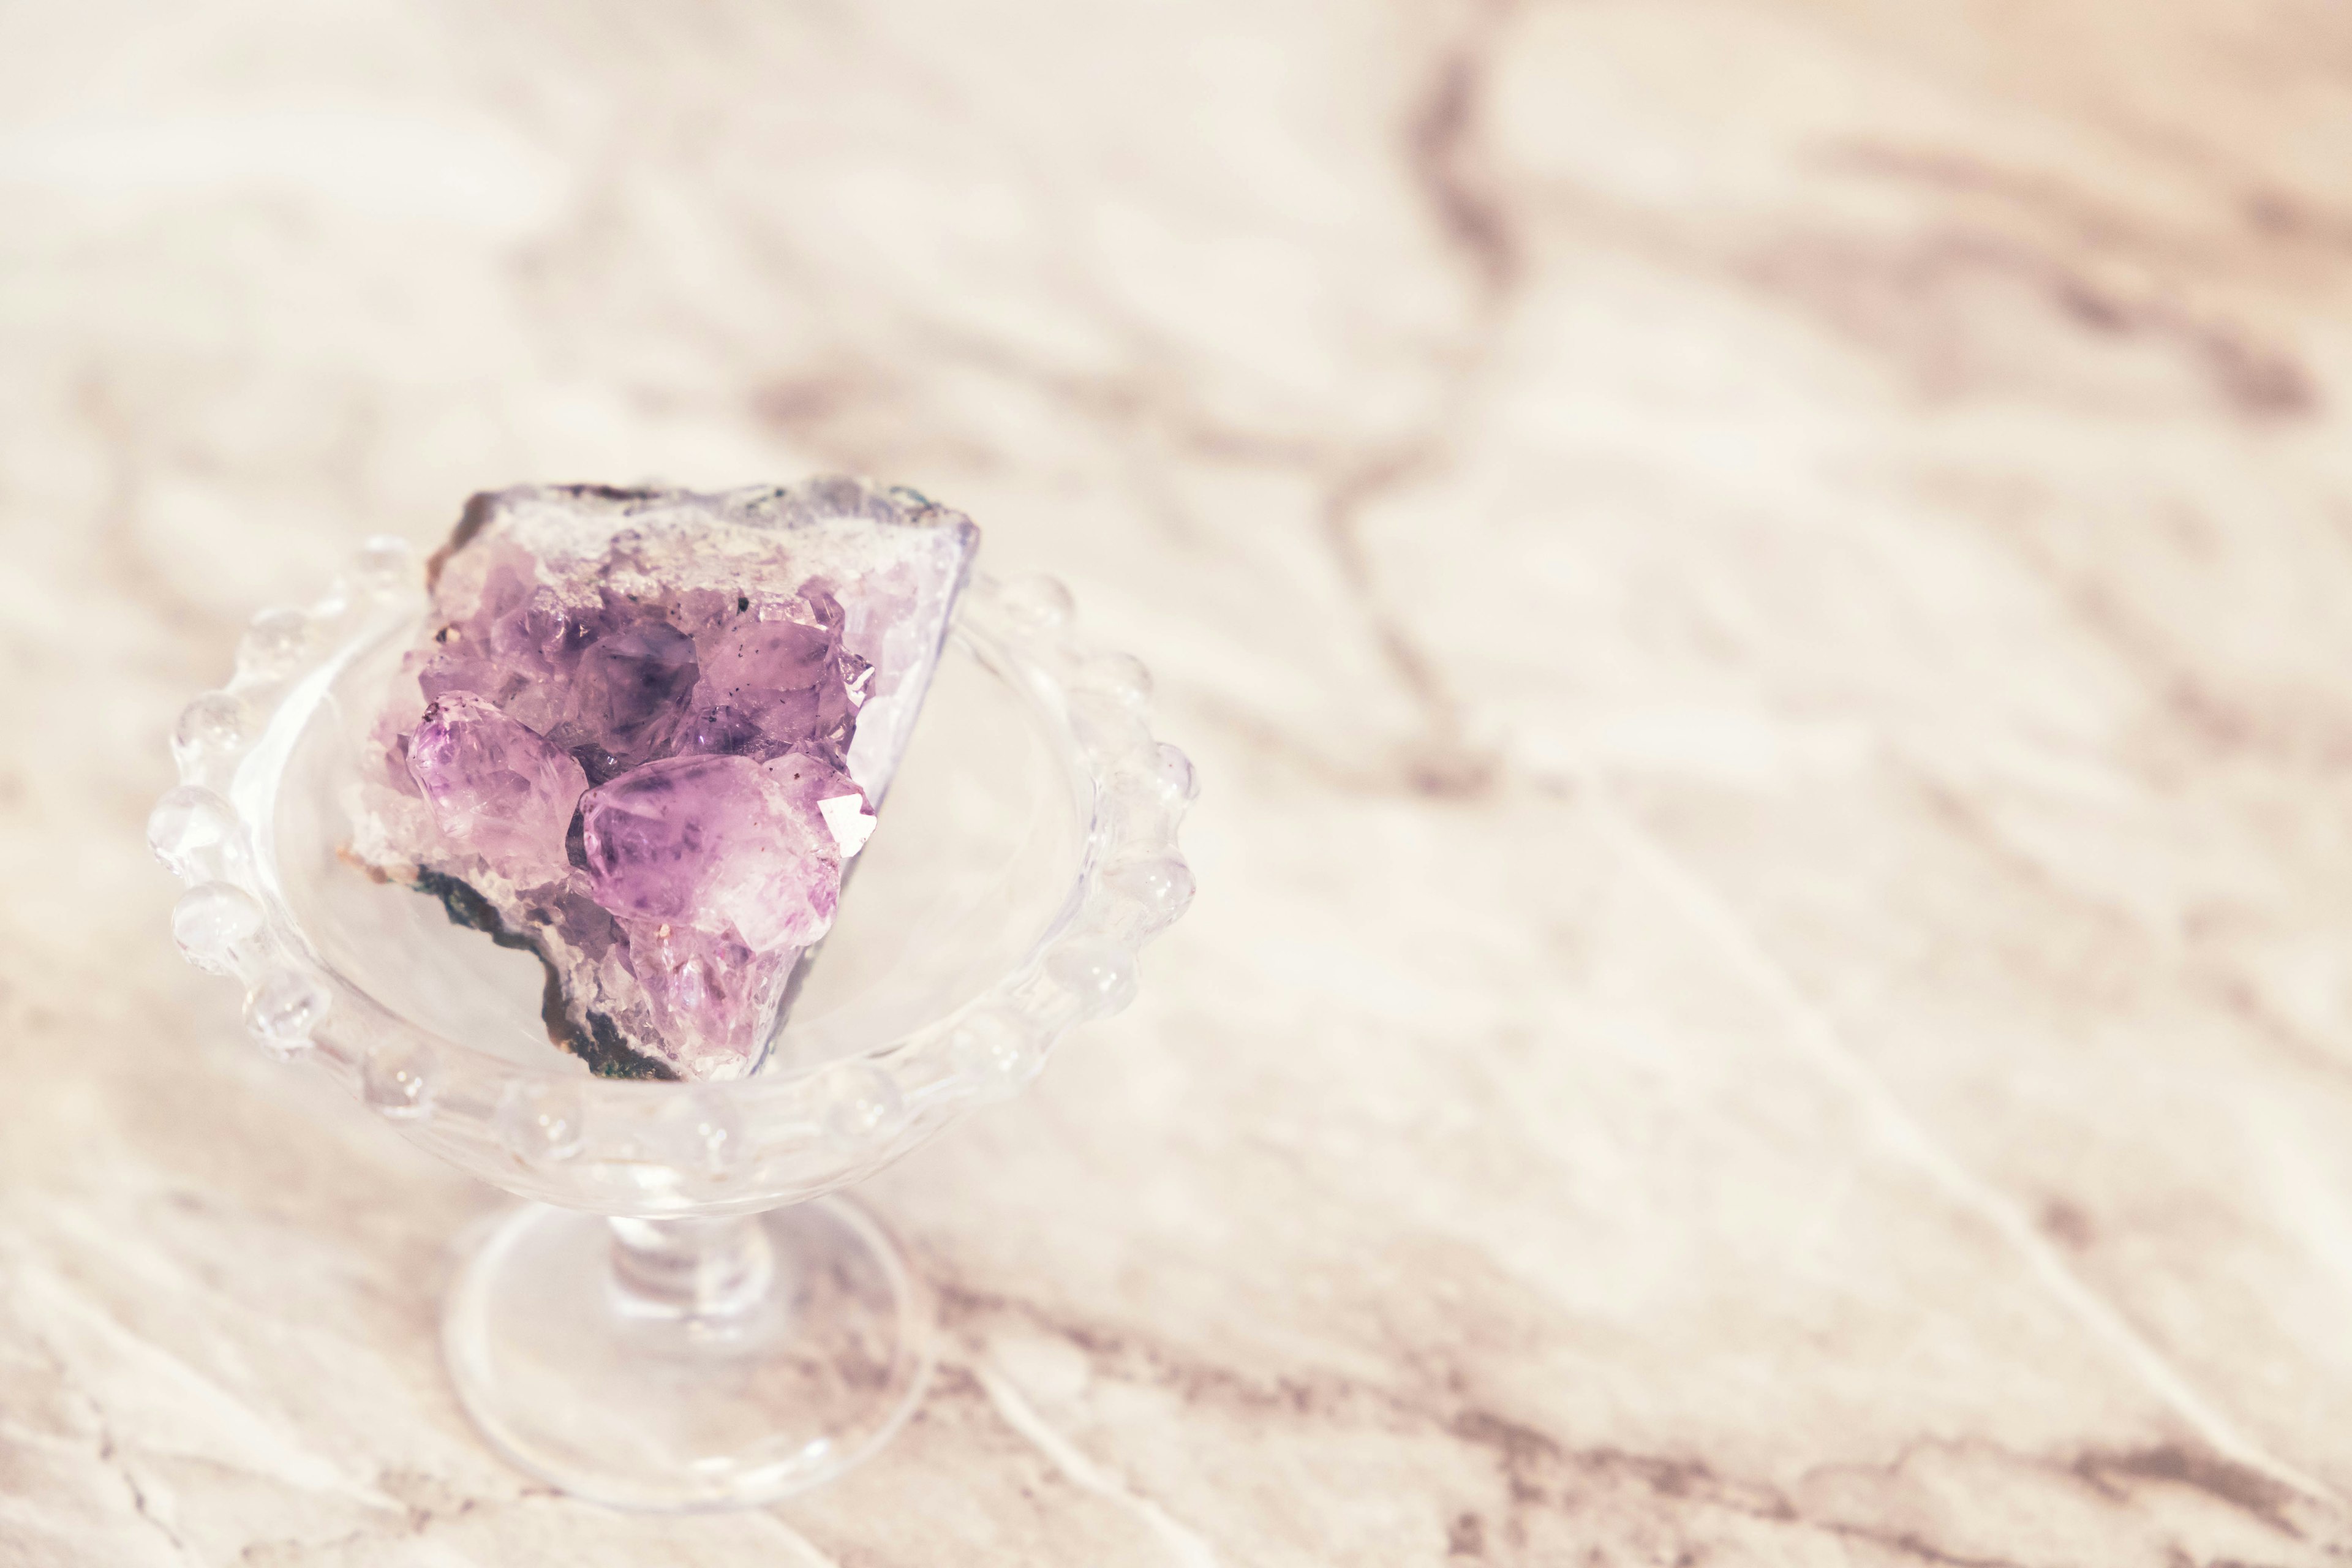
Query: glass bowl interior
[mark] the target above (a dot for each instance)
(1027, 851)
(980, 858)
(975, 928)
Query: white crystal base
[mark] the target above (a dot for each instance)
(678, 1364)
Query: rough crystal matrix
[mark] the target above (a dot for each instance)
(642, 730)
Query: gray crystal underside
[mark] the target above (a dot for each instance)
(535, 588)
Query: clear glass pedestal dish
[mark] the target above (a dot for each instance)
(685, 1315)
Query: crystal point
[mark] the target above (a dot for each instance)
(640, 734)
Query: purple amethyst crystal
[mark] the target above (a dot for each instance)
(641, 733)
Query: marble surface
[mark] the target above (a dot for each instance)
(1759, 591)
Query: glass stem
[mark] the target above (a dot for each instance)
(692, 1268)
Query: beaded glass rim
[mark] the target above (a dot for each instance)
(623, 1146)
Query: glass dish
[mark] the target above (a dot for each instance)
(686, 1316)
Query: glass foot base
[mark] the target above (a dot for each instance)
(689, 1364)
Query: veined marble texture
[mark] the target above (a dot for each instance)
(1760, 593)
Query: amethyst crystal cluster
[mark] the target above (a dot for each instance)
(642, 731)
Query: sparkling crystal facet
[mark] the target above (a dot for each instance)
(644, 729)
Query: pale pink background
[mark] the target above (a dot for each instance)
(1763, 593)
